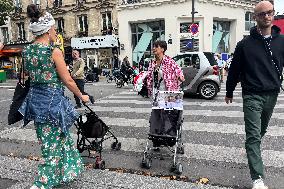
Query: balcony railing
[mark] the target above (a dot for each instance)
(130, 3)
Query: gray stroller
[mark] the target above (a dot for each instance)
(165, 128)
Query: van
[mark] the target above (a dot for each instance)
(201, 73)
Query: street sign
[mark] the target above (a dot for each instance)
(189, 45)
(194, 29)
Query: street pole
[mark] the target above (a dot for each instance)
(192, 16)
(47, 5)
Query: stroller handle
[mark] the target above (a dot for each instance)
(87, 107)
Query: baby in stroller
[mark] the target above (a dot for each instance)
(163, 80)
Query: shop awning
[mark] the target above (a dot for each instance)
(10, 52)
(12, 49)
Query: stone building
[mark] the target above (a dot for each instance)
(74, 19)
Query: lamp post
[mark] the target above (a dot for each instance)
(192, 16)
(47, 5)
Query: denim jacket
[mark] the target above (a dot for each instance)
(45, 104)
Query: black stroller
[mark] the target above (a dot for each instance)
(91, 135)
(165, 128)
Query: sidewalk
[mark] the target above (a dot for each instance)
(22, 172)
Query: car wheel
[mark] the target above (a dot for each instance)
(208, 90)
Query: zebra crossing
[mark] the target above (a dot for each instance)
(212, 130)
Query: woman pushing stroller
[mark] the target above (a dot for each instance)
(163, 82)
(52, 112)
(167, 72)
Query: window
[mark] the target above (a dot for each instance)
(80, 2)
(142, 37)
(5, 34)
(21, 31)
(249, 22)
(60, 25)
(57, 3)
(106, 21)
(83, 23)
(189, 45)
(221, 36)
(36, 2)
(18, 3)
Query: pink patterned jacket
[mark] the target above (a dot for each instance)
(171, 73)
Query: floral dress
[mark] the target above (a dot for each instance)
(61, 161)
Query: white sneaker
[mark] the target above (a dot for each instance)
(258, 184)
(34, 187)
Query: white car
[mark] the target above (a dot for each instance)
(201, 73)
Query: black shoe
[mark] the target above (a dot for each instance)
(78, 106)
(92, 100)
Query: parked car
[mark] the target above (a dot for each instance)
(201, 73)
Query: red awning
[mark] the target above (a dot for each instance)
(10, 52)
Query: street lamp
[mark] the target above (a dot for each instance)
(47, 5)
(192, 16)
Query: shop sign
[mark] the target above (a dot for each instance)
(107, 41)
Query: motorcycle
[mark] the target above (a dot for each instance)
(91, 77)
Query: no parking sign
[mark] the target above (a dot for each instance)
(194, 29)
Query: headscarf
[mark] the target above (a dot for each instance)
(43, 24)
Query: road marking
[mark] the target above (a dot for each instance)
(232, 114)
(271, 158)
(203, 104)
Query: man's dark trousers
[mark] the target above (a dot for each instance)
(80, 84)
(257, 113)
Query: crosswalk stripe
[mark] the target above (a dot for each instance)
(271, 158)
(273, 131)
(218, 97)
(221, 93)
(185, 112)
(185, 103)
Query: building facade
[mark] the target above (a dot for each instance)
(218, 25)
(74, 19)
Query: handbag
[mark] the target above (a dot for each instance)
(21, 91)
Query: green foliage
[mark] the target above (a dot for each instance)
(6, 7)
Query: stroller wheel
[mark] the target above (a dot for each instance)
(116, 146)
(177, 168)
(146, 163)
(180, 150)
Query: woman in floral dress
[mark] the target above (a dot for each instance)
(47, 106)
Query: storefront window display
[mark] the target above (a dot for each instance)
(143, 36)
(221, 36)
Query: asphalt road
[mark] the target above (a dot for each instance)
(213, 135)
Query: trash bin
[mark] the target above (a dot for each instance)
(2, 76)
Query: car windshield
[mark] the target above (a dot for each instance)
(211, 59)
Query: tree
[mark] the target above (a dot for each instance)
(6, 7)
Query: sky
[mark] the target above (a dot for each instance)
(279, 6)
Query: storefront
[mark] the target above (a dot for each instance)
(11, 58)
(98, 51)
(214, 30)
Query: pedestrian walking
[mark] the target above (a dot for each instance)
(79, 77)
(258, 63)
(53, 114)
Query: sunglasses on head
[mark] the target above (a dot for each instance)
(263, 14)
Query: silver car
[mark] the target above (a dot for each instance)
(201, 73)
